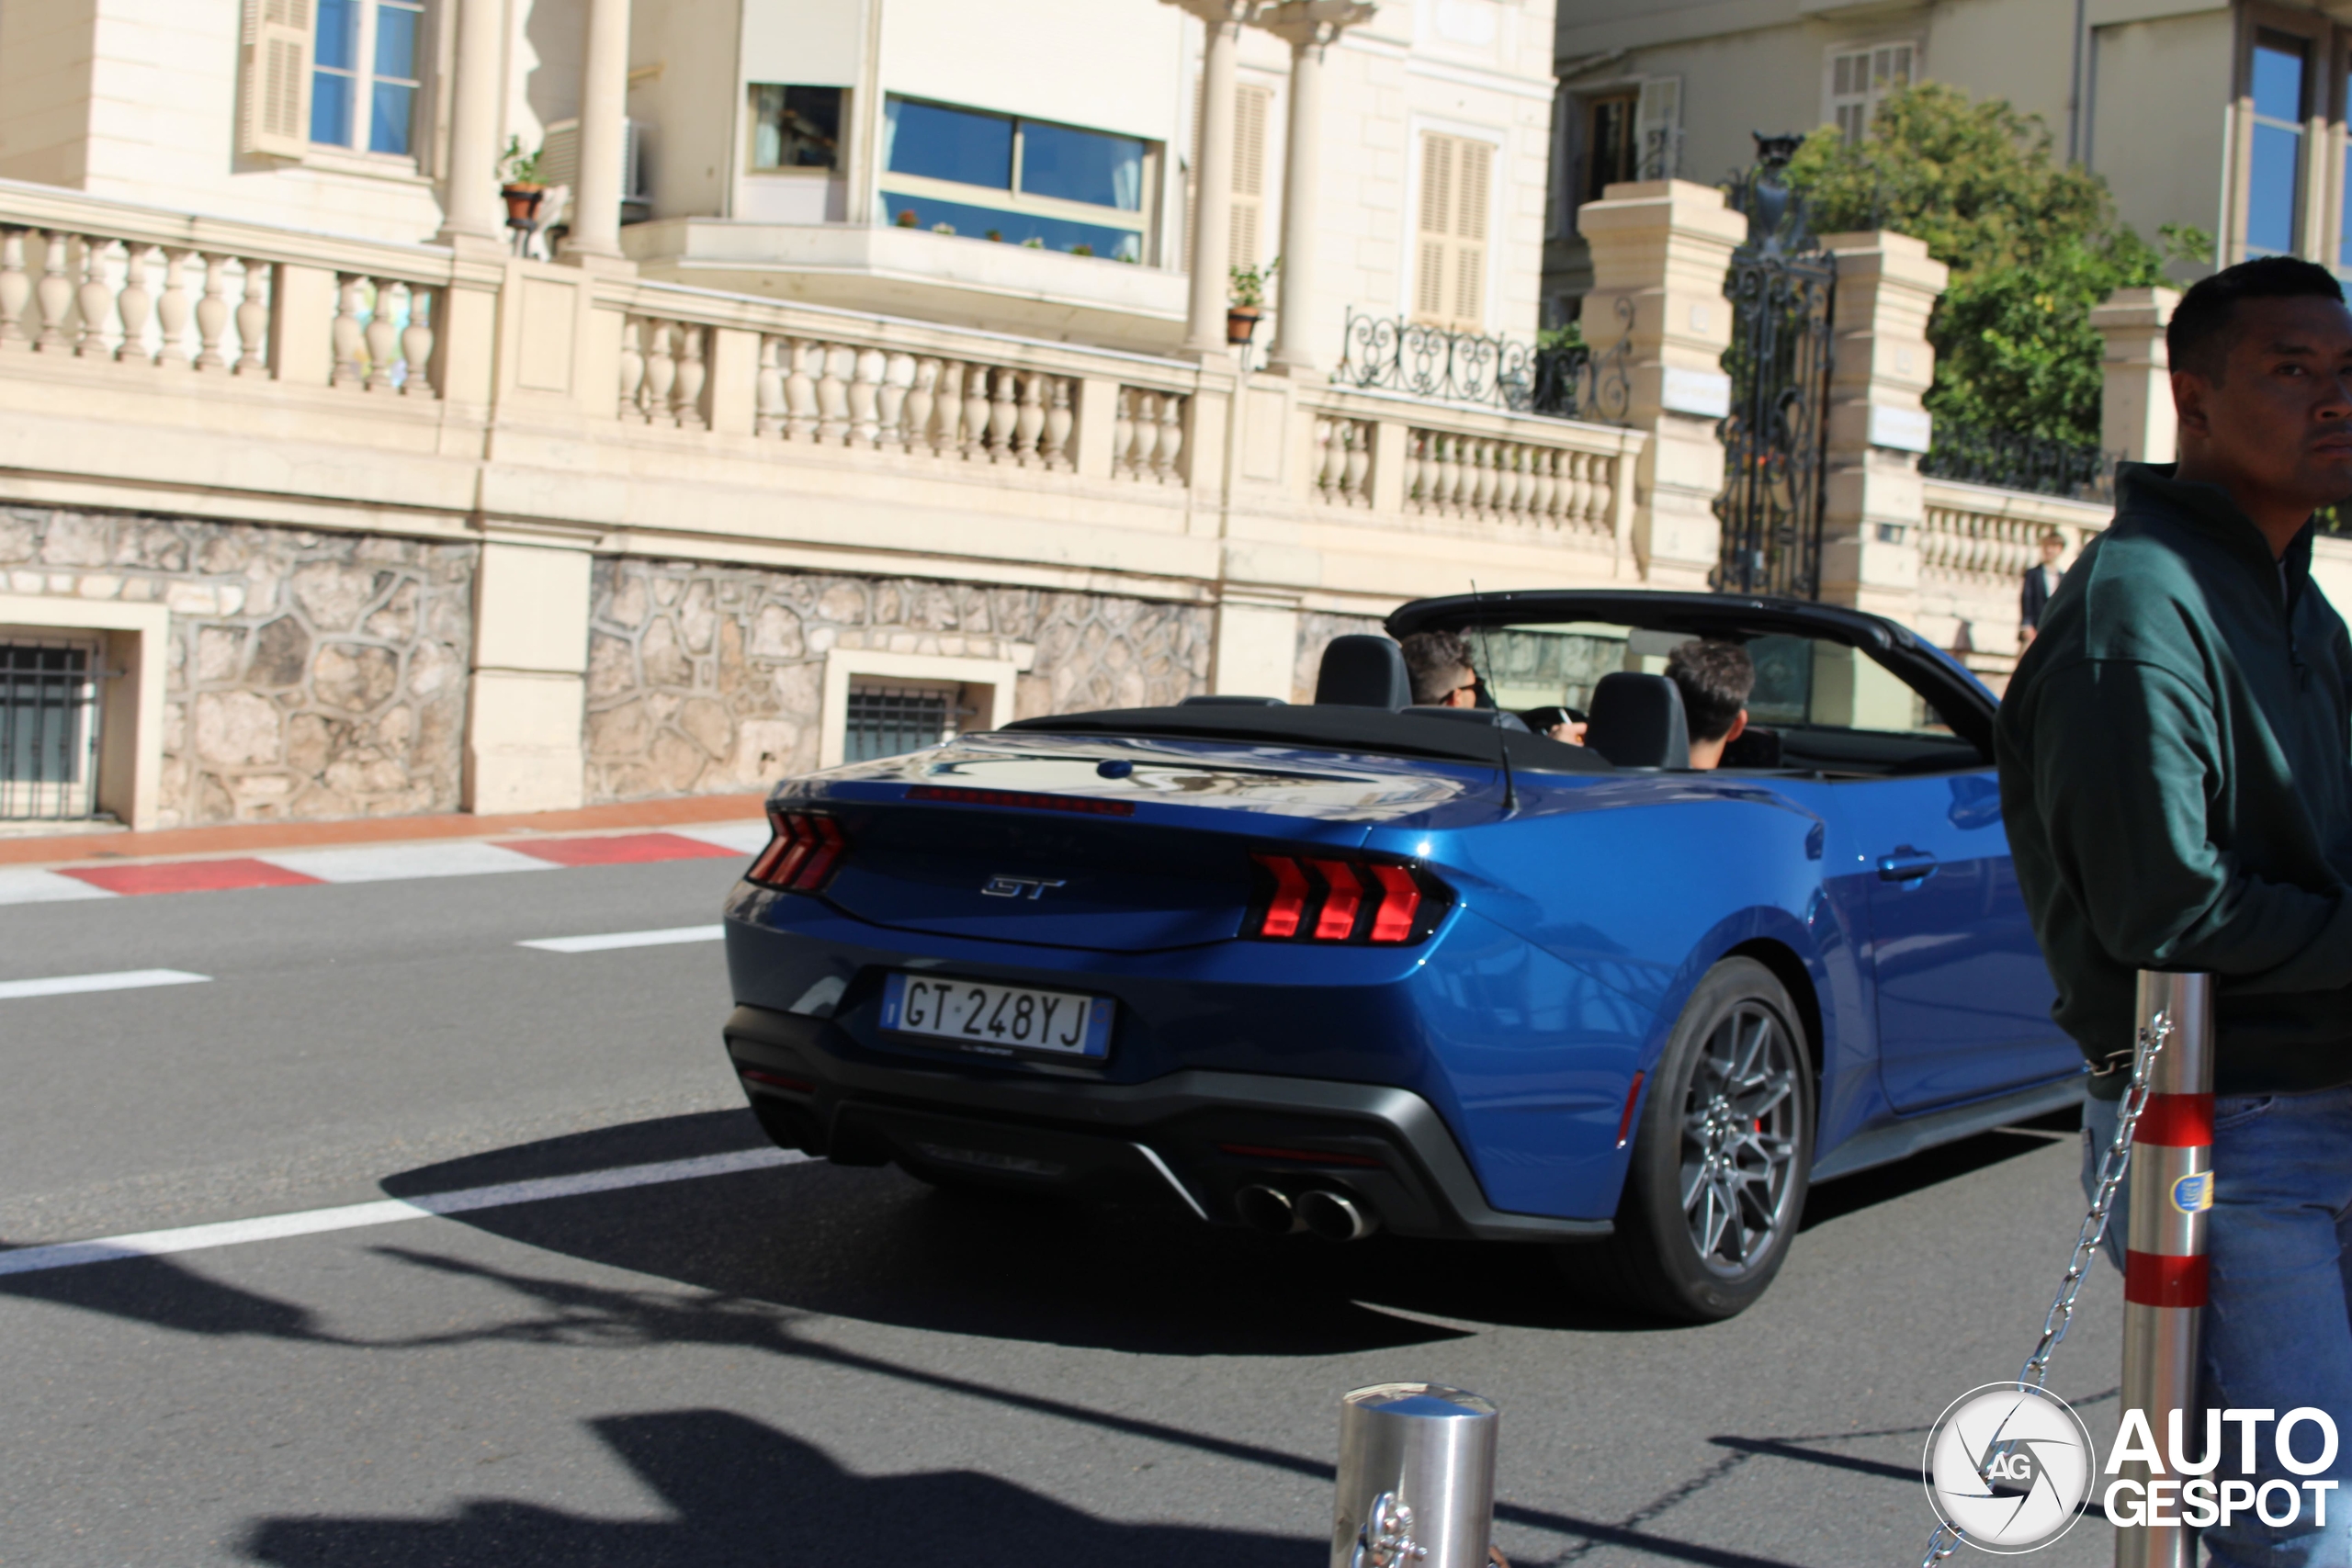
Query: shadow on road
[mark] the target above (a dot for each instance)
(746, 1494)
(1850, 1194)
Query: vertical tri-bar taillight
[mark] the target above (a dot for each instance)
(1350, 898)
(809, 847)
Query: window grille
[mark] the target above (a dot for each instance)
(49, 729)
(889, 721)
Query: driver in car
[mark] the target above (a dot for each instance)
(1714, 677)
(1438, 664)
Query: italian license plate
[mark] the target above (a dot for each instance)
(982, 1017)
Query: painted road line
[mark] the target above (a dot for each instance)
(611, 939)
(744, 838)
(120, 981)
(22, 884)
(619, 848)
(389, 1211)
(189, 876)
(397, 863)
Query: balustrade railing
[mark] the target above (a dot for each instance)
(383, 334)
(665, 370)
(2007, 459)
(1148, 435)
(1498, 479)
(1342, 474)
(874, 398)
(1565, 382)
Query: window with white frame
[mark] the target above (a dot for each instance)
(2280, 70)
(331, 74)
(1450, 254)
(1027, 182)
(1860, 78)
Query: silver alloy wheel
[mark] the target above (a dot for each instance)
(1739, 1139)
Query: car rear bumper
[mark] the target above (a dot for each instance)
(1196, 1136)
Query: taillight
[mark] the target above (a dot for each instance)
(1342, 898)
(806, 851)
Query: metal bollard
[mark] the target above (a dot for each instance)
(1417, 1478)
(2171, 1186)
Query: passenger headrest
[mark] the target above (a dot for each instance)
(1361, 671)
(1637, 722)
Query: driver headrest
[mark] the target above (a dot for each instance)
(1637, 722)
(1363, 672)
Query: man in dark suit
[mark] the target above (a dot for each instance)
(2041, 583)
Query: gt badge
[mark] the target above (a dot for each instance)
(1030, 887)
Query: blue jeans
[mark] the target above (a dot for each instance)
(2277, 1329)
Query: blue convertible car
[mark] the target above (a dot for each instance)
(1360, 965)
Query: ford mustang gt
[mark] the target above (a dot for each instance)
(1357, 965)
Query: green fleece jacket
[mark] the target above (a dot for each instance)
(2176, 780)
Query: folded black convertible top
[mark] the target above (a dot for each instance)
(1332, 729)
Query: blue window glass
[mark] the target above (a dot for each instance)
(1082, 165)
(2275, 169)
(392, 95)
(338, 47)
(949, 144)
(387, 128)
(1013, 228)
(2278, 79)
(396, 42)
(333, 83)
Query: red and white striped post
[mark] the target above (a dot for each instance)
(2163, 1273)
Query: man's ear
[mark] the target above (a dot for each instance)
(2189, 393)
(1738, 728)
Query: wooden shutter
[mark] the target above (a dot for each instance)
(275, 71)
(1449, 261)
(1251, 108)
(1658, 129)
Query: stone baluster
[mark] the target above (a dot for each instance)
(1060, 418)
(54, 292)
(1485, 476)
(947, 417)
(93, 299)
(1543, 489)
(133, 303)
(173, 307)
(15, 290)
(1122, 434)
(835, 370)
(694, 373)
(767, 387)
(1029, 422)
(1576, 487)
(632, 381)
(1526, 465)
(1148, 435)
(1358, 480)
(417, 342)
(1454, 475)
(974, 442)
(866, 398)
(1508, 459)
(1172, 439)
(1004, 416)
(382, 334)
(1604, 475)
(898, 379)
(800, 408)
(254, 282)
(349, 337)
(922, 408)
(660, 369)
(1326, 459)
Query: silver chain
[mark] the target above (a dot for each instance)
(2112, 1166)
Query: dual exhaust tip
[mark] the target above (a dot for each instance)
(1320, 1211)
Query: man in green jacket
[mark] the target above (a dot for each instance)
(2176, 780)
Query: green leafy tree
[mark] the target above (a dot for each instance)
(2033, 244)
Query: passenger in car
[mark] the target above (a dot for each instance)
(1714, 679)
(1438, 663)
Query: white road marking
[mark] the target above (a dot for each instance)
(389, 1211)
(626, 938)
(749, 837)
(22, 884)
(396, 863)
(120, 981)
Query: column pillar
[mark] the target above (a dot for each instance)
(2136, 419)
(604, 106)
(1211, 241)
(527, 699)
(1308, 26)
(1874, 502)
(469, 207)
(1660, 250)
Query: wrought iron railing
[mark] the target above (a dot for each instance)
(2008, 459)
(1571, 381)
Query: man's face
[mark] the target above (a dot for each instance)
(2281, 412)
(1465, 693)
(2051, 550)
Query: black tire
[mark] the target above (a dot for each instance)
(1736, 1055)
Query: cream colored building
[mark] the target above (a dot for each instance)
(318, 499)
(2227, 117)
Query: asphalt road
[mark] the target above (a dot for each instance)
(806, 1365)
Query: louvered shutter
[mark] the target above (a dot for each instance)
(1659, 125)
(1436, 237)
(1475, 160)
(275, 71)
(1449, 261)
(1251, 107)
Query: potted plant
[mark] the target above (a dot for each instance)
(519, 182)
(1247, 299)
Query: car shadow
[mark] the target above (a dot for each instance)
(1886, 1183)
(741, 1492)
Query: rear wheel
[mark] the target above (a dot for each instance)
(1725, 1141)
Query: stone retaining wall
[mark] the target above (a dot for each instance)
(311, 675)
(706, 678)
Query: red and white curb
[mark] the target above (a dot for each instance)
(381, 863)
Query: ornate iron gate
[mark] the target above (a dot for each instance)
(1780, 291)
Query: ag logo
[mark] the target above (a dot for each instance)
(2193, 1192)
(2009, 1467)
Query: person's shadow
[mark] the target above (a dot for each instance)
(745, 1494)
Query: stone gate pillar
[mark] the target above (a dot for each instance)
(2136, 420)
(1880, 366)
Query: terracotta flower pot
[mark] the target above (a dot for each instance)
(1241, 323)
(522, 202)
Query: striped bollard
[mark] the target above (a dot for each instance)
(2164, 1274)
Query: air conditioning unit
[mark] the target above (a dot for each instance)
(559, 163)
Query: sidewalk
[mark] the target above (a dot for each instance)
(54, 868)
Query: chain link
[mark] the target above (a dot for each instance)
(2112, 1166)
